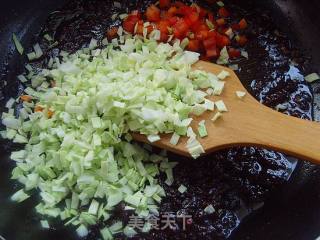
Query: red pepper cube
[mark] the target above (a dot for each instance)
(180, 29)
(153, 13)
(234, 53)
(243, 24)
(223, 12)
(164, 3)
(194, 45)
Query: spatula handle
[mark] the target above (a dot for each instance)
(293, 136)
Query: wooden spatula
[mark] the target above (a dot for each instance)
(248, 123)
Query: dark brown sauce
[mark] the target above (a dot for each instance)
(237, 181)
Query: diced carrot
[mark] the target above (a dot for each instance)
(112, 33)
(26, 98)
(50, 113)
(38, 108)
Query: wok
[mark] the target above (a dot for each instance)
(292, 211)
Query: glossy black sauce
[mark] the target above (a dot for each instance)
(237, 181)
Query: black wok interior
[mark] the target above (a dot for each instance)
(292, 211)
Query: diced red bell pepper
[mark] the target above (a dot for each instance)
(241, 40)
(212, 34)
(130, 22)
(112, 33)
(179, 4)
(193, 17)
(209, 42)
(163, 26)
(184, 10)
(235, 27)
(203, 27)
(153, 13)
(172, 11)
(221, 22)
(164, 37)
(223, 12)
(223, 30)
(203, 12)
(193, 45)
(195, 26)
(210, 17)
(234, 53)
(128, 26)
(222, 40)
(243, 24)
(201, 35)
(164, 3)
(150, 28)
(212, 52)
(187, 21)
(173, 20)
(180, 29)
(139, 29)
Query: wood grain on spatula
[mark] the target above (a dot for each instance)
(248, 123)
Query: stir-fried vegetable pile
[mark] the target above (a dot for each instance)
(76, 119)
(213, 34)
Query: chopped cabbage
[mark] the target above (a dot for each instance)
(17, 44)
(78, 151)
(312, 77)
(216, 116)
(221, 106)
(182, 189)
(241, 94)
(209, 209)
